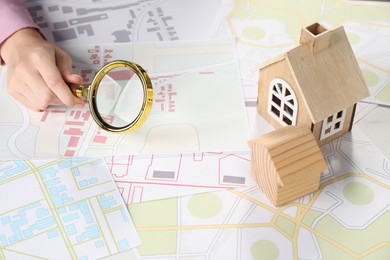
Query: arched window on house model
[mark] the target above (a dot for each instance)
(282, 102)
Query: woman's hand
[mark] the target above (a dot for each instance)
(38, 71)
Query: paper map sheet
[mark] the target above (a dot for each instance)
(347, 218)
(143, 178)
(62, 209)
(198, 106)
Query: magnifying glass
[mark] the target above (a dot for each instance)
(120, 96)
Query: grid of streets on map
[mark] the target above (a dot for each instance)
(345, 219)
(62, 209)
(123, 21)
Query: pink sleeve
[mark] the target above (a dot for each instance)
(13, 17)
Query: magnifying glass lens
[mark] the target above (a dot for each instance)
(119, 97)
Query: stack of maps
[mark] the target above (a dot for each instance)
(179, 187)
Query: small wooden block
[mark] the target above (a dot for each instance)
(286, 163)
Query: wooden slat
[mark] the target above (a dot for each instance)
(293, 171)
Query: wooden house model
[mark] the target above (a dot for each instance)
(286, 163)
(315, 85)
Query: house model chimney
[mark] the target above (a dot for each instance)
(315, 36)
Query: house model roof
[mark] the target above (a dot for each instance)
(326, 71)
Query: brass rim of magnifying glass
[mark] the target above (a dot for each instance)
(92, 94)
